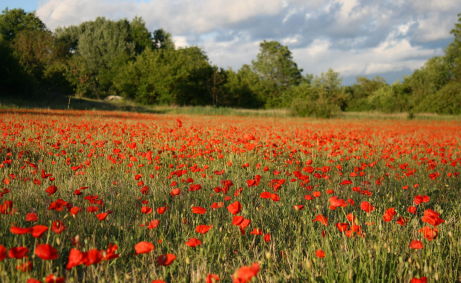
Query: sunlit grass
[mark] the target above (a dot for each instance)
(226, 143)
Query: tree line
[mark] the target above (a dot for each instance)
(99, 58)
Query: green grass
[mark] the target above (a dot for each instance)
(55, 102)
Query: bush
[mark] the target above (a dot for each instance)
(447, 100)
(319, 108)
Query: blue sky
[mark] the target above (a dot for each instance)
(389, 38)
(26, 5)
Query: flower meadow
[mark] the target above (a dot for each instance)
(89, 196)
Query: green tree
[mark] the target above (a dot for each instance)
(12, 22)
(166, 76)
(37, 51)
(365, 87)
(277, 71)
(14, 80)
(140, 35)
(100, 47)
(242, 88)
(163, 39)
(328, 88)
(453, 52)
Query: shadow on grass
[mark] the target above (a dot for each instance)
(65, 102)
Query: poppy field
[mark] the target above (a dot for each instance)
(89, 196)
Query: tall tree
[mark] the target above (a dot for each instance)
(12, 22)
(276, 68)
(163, 39)
(100, 47)
(14, 80)
(453, 52)
(140, 35)
(166, 76)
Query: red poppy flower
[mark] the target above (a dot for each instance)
(198, 210)
(366, 206)
(153, 224)
(175, 192)
(58, 227)
(51, 190)
(54, 279)
(143, 248)
(256, 231)
(25, 267)
(420, 280)
(401, 220)
(275, 197)
(193, 242)
(322, 219)
(235, 207)
(320, 253)
(102, 216)
(237, 220)
(316, 194)
(146, 210)
(308, 197)
(20, 231)
(428, 233)
(350, 217)
(411, 209)
(165, 260)
(46, 252)
(265, 195)
(203, 229)
(356, 228)
(298, 207)
(245, 223)
(267, 237)
(33, 280)
(211, 278)
(3, 251)
(158, 281)
(76, 257)
(418, 199)
(432, 217)
(93, 256)
(389, 214)
(415, 244)
(245, 274)
(330, 191)
(18, 252)
(342, 226)
(74, 210)
(161, 210)
(110, 252)
(31, 217)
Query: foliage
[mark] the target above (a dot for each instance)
(445, 101)
(166, 76)
(12, 22)
(277, 71)
(14, 80)
(102, 57)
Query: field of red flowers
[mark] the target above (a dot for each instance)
(90, 196)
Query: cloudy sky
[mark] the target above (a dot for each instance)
(389, 38)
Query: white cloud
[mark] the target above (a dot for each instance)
(391, 55)
(435, 27)
(354, 37)
(176, 16)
